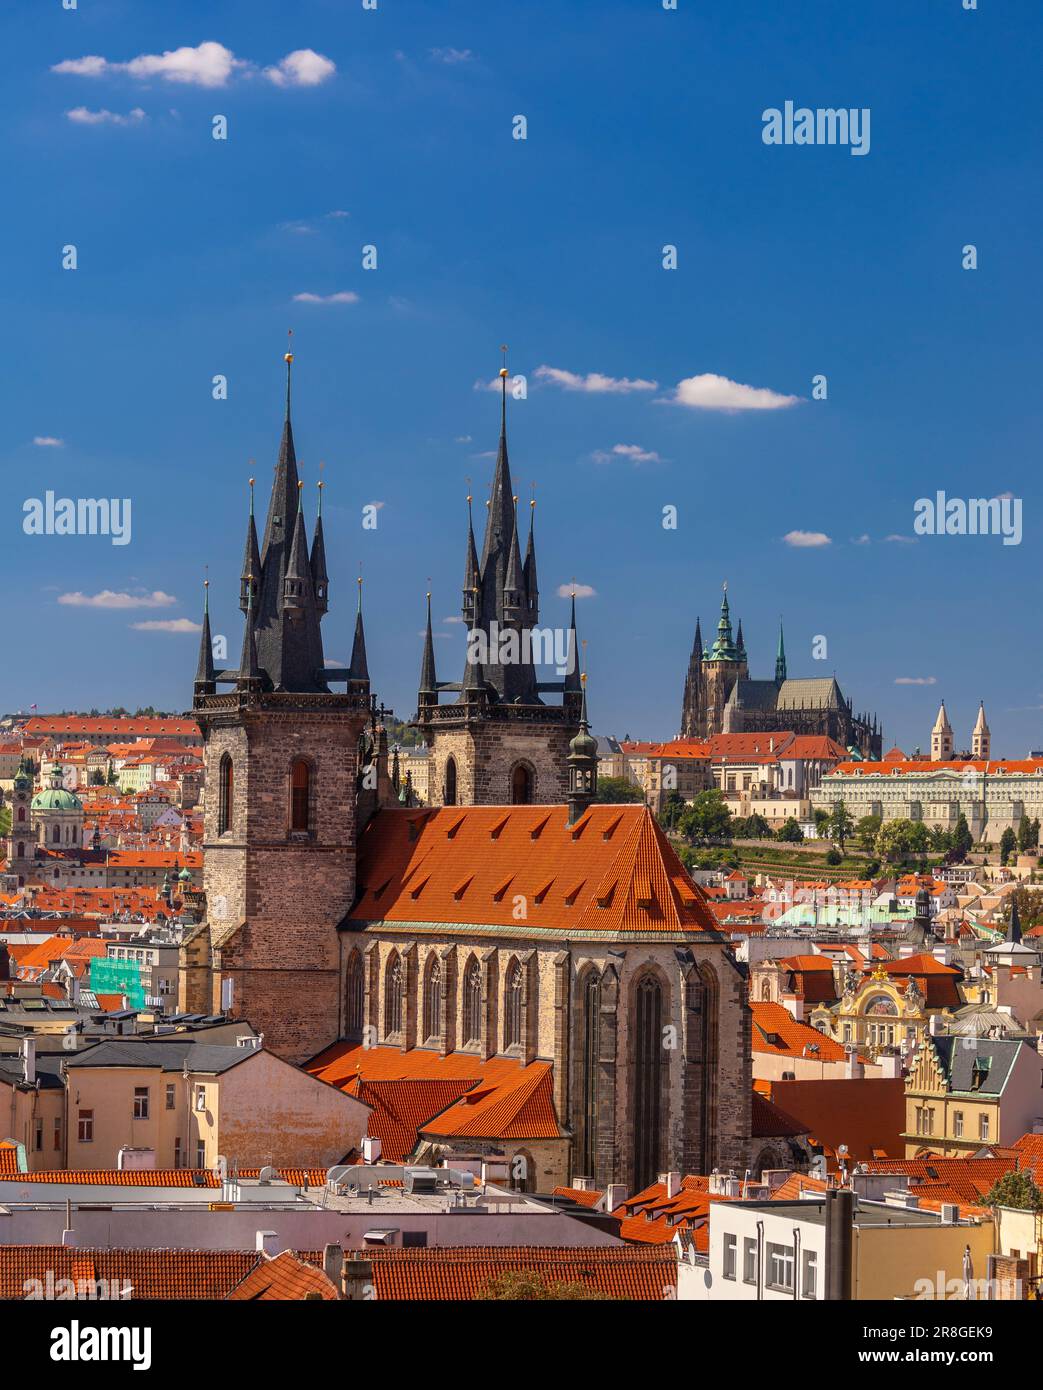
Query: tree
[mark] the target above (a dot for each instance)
(822, 822)
(834, 857)
(790, 832)
(1024, 834)
(892, 842)
(619, 789)
(96, 777)
(672, 810)
(941, 840)
(1034, 842)
(1008, 843)
(962, 839)
(840, 824)
(530, 1286)
(866, 832)
(919, 837)
(707, 817)
(1016, 1189)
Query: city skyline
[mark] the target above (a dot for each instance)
(196, 255)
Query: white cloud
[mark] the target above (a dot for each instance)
(594, 382)
(861, 540)
(435, 635)
(80, 115)
(452, 620)
(341, 297)
(207, 65)
(301, 68)
(338, 212)
(711, 392)
(901, 540)
(463, 439)
(634, 452)
(109, 598)
(168, 625)
(451, 56)
(580, 590)
(916, 680)
(48, 441)
(806, 540)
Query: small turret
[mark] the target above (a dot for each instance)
(358, 673)
(319, 578)
(251, 575)
(205, 683)
(582, 764)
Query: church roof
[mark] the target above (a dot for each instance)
(751, 694)
(612, 871)
(816, 693)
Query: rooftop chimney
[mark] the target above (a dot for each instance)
(371, 1148)
(29, 1061)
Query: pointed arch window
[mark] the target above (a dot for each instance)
(512, 1011)
(300, 795)
(225, 792)
(589, 1073)
(472, 1012)
(353, 995)
(521, 785)
(393, 997)
(649, 1075)
(450, 782)
(21, 813)
(433, 1000)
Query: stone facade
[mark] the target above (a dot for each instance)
(487, 752)
(704, 1101)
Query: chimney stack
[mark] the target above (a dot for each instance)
(29, 1061)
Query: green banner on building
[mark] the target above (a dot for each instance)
(111, 976)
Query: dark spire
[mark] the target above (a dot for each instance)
(697, 645)
(251, 557)
(358, 674)
(573, 679)
(249, 676)
(286, 614)
(471, 575)
(1014, 929)
(513, 582)
(205, 684)
(532, 588)
(319, 578)
(724, 648)
(780, 659)
(428, 680)
(739, 643)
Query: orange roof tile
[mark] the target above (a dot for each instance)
(166, 1274)
(777, 1032)
(411, 865)
(285, 1278)
(865, 1113)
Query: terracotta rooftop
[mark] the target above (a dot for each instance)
(776, 1032)
(284, 1278)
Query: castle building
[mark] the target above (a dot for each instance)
(499, 741)
(544, 963)
(721, 698)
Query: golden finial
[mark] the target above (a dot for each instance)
(288, 354)
(503, 370)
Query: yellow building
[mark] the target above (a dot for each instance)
(32, 1103)
(964, 1092)
(184, 1104)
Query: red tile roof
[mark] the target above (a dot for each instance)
(70, 724)
(777, 1033)
(166, 1274)
(865, 1113)
(580, 1195)
(613, 871)
(464, 1273)
(285, 1278)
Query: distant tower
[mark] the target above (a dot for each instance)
(692, 704)
(21, 840)
(780, 659)
(723, 665)
(583, 766)
(941, 738)
(499, 742)
(981, 738)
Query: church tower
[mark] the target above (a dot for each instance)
(941, 738)
(692, 705)
(22, 838)
(281, 751)
(498, 742)
(981, 738)
(723, 665)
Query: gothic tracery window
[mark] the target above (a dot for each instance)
(472, 1010)
(649, 1077)
(450, 782)
(393, 997)
(433, 1000)
(225, 791)
(589, 1073)
(512, 1012)
(521, 785)
(353, 995)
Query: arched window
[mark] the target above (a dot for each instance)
(472, 1011)
(393, 997)
(353, 995)
(56, 834)
(21, 813)
(433, 1000)
(21, 849)
(450, 782)
(648, 1081)
(300, 795)
(587, 1148)
(521, 785)
(225, 789)
(512, 1007)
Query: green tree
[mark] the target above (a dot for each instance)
(707, 817)
(866, 832)
(618, 789)
(962, 839)
(1016, 1189)
(672, 810)
(1008, 844)
(5, 820)
(822, 822)
(840, 824)
(1024, 834)
(834, 857)
(757, 828)
(1034, 841)
(941, 840)
(892, 841)
(790, 832)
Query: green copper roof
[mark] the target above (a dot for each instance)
(56, 799)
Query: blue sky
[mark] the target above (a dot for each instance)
(644, 129)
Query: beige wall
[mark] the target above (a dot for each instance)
(888, 1262)
(26, 1114)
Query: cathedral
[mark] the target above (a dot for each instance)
(542, 959)
(720, 697)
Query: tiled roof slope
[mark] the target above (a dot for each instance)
(613, 871)
(180, 1274)
(778, 1033)
(464, 1272)
(285, 1278)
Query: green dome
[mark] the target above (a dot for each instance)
(185, 874)
(584, 745)
(56, 799)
